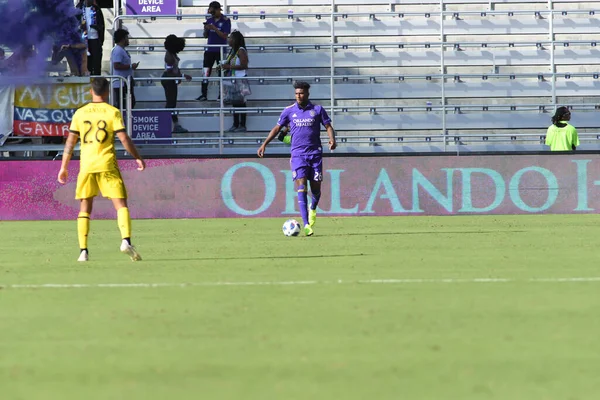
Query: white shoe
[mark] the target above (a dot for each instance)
(128, 249)
(83, 256)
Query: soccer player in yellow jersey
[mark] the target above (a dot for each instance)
(96, 125)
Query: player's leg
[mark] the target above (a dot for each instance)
(124, 222)
(86, 190)
(300, 168)
(301, 188)
(83, 227)
(315, 192)
(315, 187)
(112, 186)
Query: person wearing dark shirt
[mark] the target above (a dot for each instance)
(216, 30)
(173, 46)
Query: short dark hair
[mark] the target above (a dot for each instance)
(120, 34)
(100, 86)
(215, 4)
(301, 85)
(174, 44)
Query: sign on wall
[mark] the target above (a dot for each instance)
(150, 126)
(151, 7)
(376, 186)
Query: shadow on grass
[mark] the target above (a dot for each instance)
(425, 233)
(256, 258)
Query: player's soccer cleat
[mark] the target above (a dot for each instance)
(308, 231)
(128, 249)
(83, 256)
(312, 217)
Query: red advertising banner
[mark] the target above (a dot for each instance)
(382, 186)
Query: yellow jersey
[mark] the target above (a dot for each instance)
(97, 124)
(562, 139)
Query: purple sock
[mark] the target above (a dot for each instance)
(302, 203)
(315, 200)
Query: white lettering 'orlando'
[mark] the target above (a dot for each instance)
(304, 122)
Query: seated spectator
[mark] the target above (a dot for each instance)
(74, 54)
(562, 136)
(173, 45)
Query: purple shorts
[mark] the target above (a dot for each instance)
(307, 166)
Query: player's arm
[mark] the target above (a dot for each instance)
(274, 132)
(131, 149)
(331, 134)
(63, 174)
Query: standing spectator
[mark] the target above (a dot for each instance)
(562, 136)
(120, 64)
(216, 30)
(173, 45)
(94, 28)
(237, 65)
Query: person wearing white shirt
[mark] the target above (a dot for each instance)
(121, 65)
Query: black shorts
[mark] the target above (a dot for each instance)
(210, 58)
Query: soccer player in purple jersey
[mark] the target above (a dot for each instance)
(305, 119)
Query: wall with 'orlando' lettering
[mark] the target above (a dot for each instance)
(353, 186)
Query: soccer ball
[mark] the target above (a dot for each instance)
(291, 227)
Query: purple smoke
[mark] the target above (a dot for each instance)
(30, 29)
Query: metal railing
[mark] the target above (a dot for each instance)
(442, 16)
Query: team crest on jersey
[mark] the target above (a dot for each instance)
(294, 175)
(313, 113)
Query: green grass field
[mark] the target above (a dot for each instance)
(370, 308)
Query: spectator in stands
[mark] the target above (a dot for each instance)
(216, 30)
(93, 20)
(70, 44)
(120, 64)
(72, 52)
(236, 65)
(562, 136)
(173, 45)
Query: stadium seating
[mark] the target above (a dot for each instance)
(387, 62)
(387, 58)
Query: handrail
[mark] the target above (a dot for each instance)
(370, 14)
(373, 46)
(375, 77)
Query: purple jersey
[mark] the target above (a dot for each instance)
(224, 25)
(305, 127)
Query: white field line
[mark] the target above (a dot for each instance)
(296, 283)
